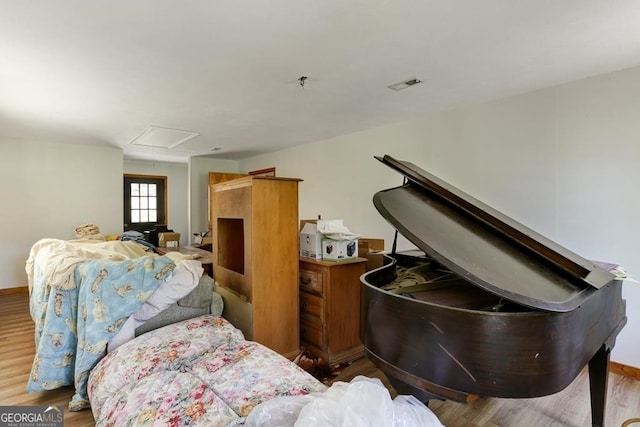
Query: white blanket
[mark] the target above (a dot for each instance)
(186, 276)
(56, 258)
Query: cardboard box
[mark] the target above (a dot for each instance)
(372, 250)
(168, 240)
(375, 259)
(339, 250)
(368, 244)
(307, 221)
(310, 240)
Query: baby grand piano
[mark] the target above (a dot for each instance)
(486, 307)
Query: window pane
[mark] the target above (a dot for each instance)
(144, 216)
(152, 203)
(135, 216)
(153, 215)
(144, 189)
(152, 190)
(144, 203)
(135, 189)
(135, 203)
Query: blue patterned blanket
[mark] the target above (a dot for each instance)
(74, 325)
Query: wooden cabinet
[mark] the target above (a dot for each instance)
(216, 178)
(330, 308)
(255, 258)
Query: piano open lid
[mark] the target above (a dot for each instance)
(484, 246)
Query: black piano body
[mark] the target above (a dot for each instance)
(485, 307)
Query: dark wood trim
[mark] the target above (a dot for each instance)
(139, 175)
(166, 190)
(15, 291)
(264, 172)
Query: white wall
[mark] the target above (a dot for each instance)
(178, 197)
(563, 161)
(48, 189)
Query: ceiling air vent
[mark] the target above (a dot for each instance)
(160, 137)
(405, 84)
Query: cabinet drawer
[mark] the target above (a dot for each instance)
(311, 281)
(311, 305)
(311, 332)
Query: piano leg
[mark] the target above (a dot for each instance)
(598, 379)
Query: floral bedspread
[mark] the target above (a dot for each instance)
(197, 372)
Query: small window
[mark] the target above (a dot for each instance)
(144, 202)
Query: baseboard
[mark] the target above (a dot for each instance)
(625, 370)
(14, 291)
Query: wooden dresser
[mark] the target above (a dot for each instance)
(330, 308)
(255, 258)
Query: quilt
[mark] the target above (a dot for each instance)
(196, 372)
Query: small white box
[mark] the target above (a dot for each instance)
(339, 250)
(310, 241)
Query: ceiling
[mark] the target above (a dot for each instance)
(103, 72)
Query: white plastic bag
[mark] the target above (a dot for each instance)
(409, 411)
(364, 402)
(277, 412)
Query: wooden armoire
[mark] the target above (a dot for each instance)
(217, 178)
(254, 221)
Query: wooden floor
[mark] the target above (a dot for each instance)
(567, 408)
(570, 407)
(16, 356)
